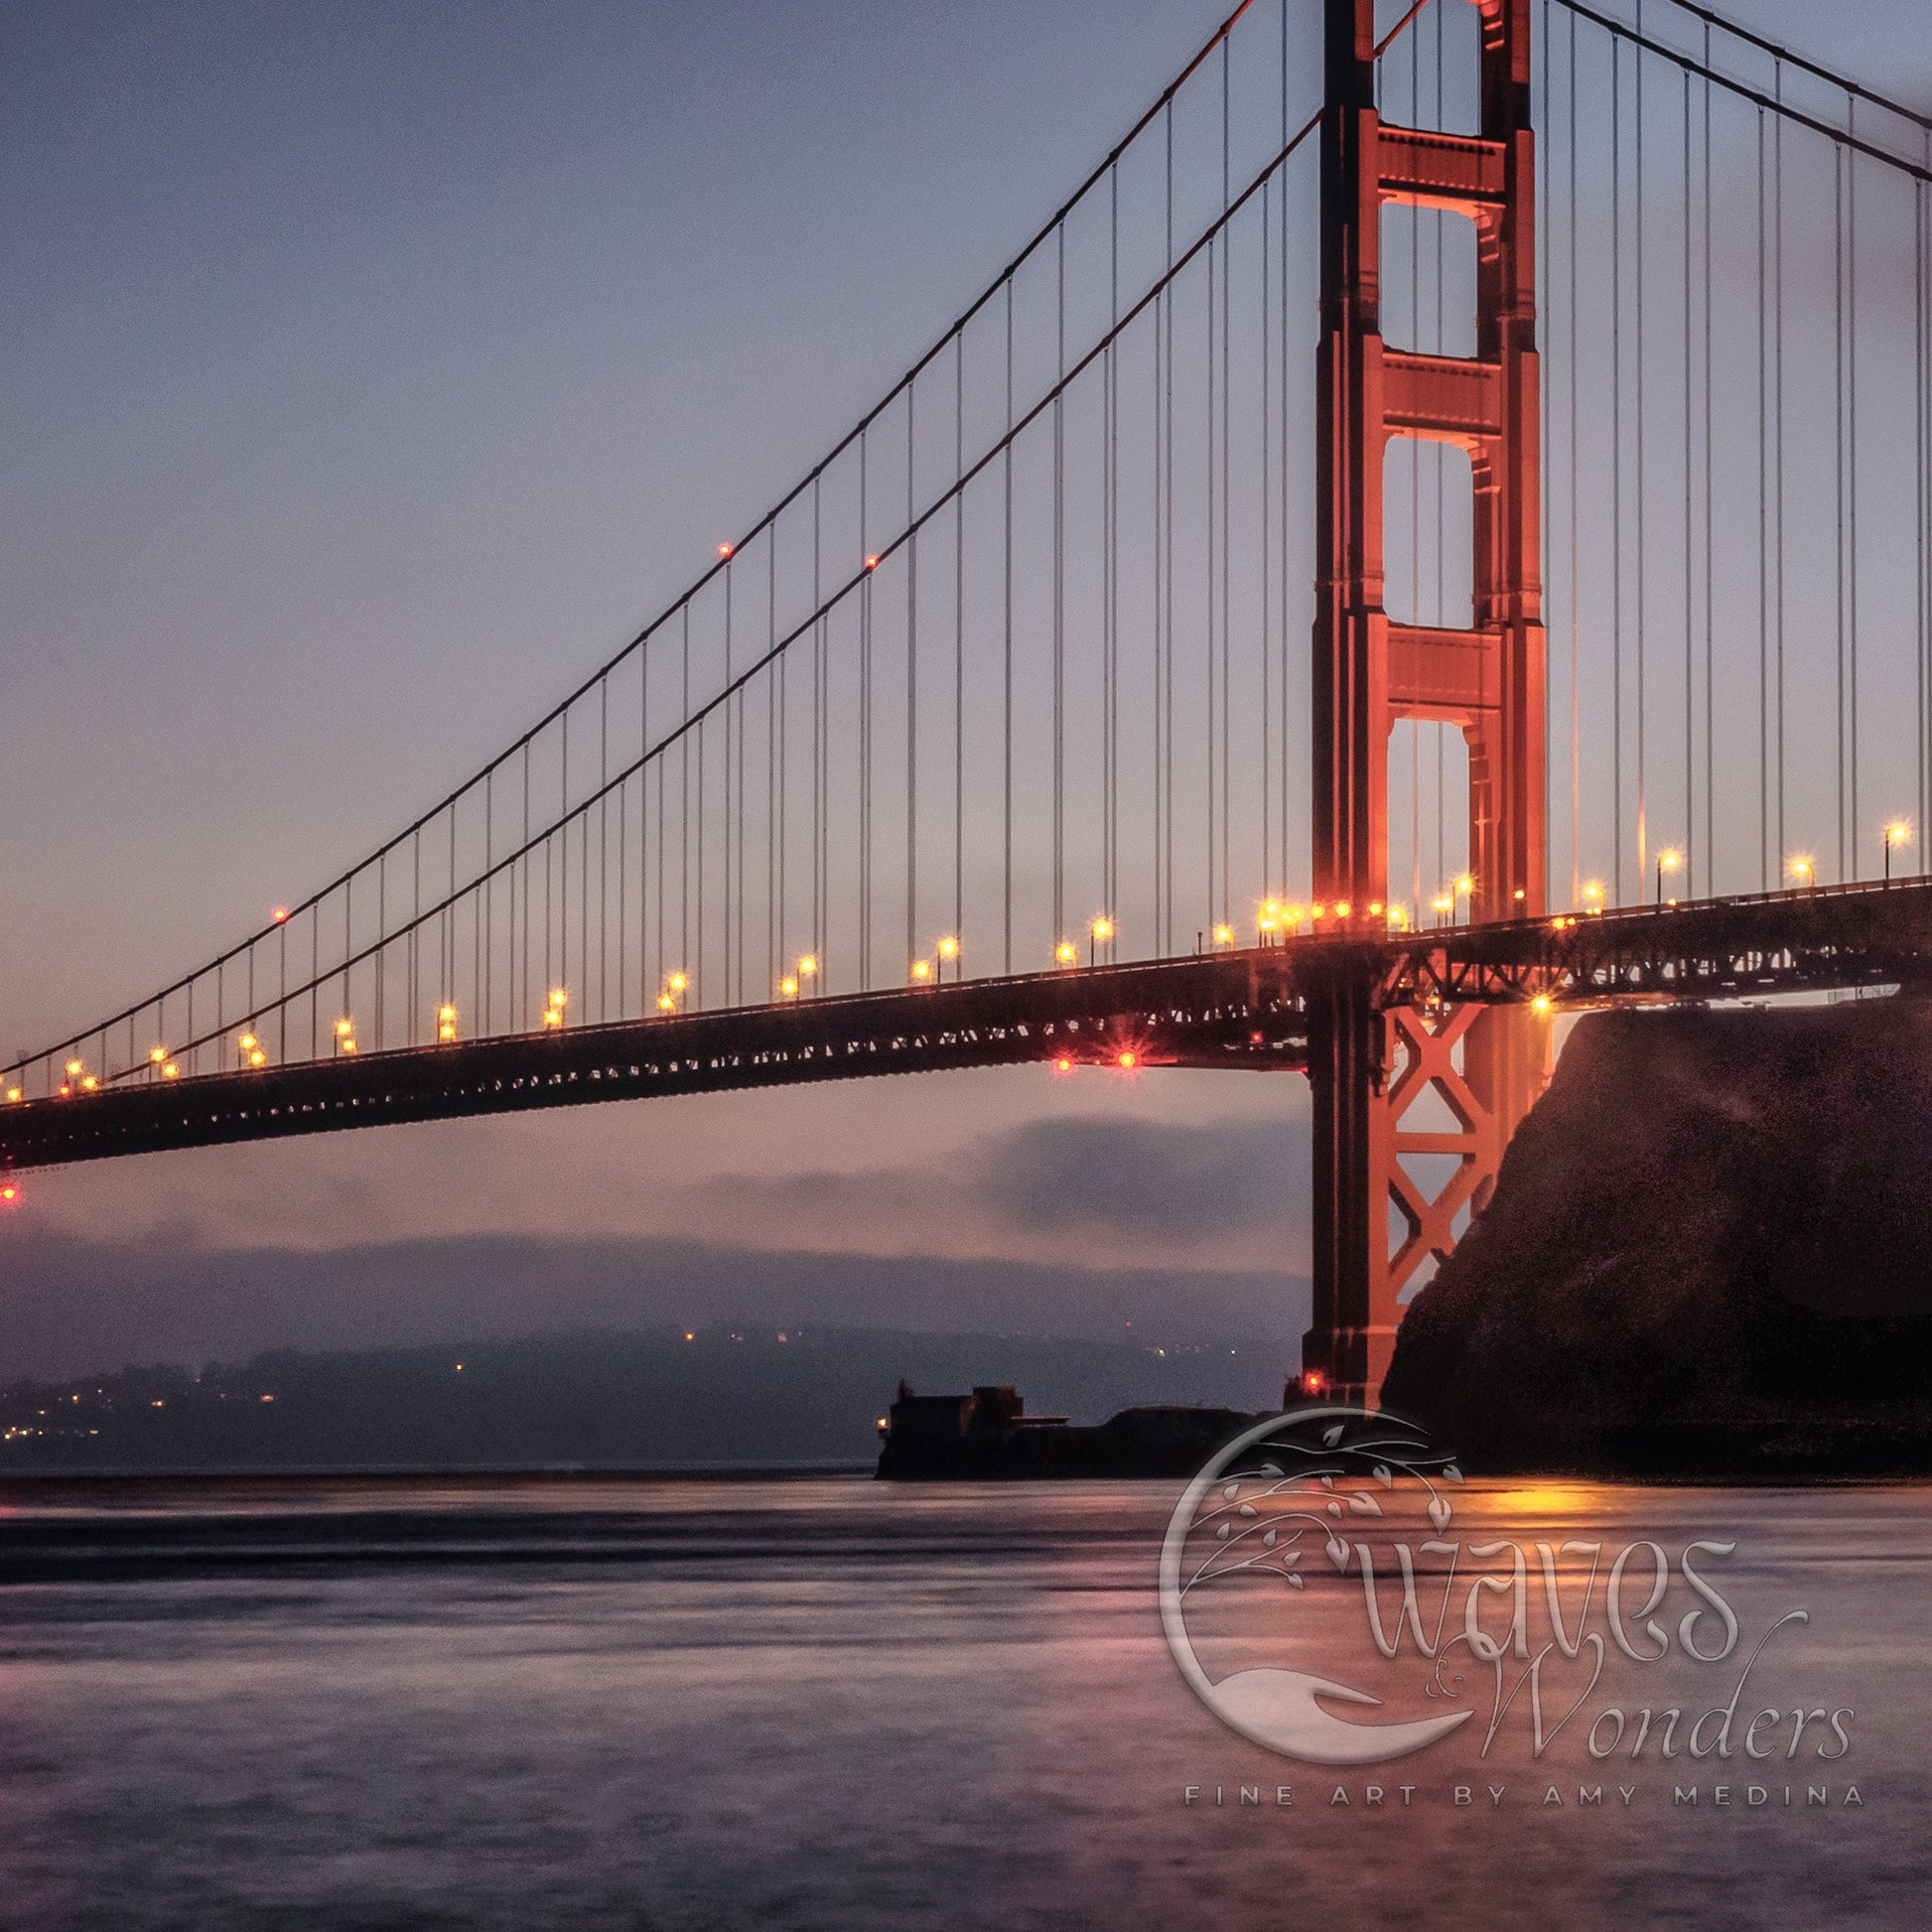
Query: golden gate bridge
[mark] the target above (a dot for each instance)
(1430, 535)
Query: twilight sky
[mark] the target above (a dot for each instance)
(369, 370)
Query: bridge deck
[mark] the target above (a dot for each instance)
(1242, 1008)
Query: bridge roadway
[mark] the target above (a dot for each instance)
(1237, 1009)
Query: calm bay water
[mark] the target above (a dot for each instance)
(823, 1702)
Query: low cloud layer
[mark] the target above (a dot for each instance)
(67, 1305)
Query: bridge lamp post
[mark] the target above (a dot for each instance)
(922, 972)
(1897, 833)
(445, 1024)
(789, 987)
(1099, 933)
(948, 954)
(1443, 905)
(1668, 860)
(1594, 897)
(1805, 873)
(807, 968)
(1224, 938)
(1066, 953)
(344, 1038)
(1466, 888)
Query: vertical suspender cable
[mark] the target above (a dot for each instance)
(1060, 594)
(1636, 292)
(1691, 853)
(1575, 713)
(1837, 462)
(959, 636)
(1005, 765)
(1709, 542)
(912, 691)
(1616, 460)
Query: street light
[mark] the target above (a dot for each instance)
(921, 971)
(1897, 833)
(1804, 871)
(1066, 953)
(1466, 888)
(948, 951)
(1594, 897)
(1668, 860)
(1442, 906)
(1224, 937)
(1099, 933)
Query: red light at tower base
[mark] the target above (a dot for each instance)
(9, 1192)
(1064, 1064)
(1127, 1059)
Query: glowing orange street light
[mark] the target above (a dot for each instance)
(948, 949)
(665, 1004)
(1066, 953)
(1897, 833)
(1593, 896)
(1224, 937)
(1668, 860)
(12, 1094)
(872, 563)
(1064, 1064)
(73, 1067)
(808, 966)
(256, 1058)
(1443, 905)
(171, 1071)
(9, 1192)
(1541, 1004)
(279, 913)
(1804, 871)
(1099, 933)
(788, 988)
(1127, 1059)
(725, 550)
(1342, 909)
(921, 970)
(446, 1022)
(89, 1084)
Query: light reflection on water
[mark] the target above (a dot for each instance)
(676, 1701)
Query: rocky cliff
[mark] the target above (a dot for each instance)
(1709, 1251)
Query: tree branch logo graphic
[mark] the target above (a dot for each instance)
(1278, 1504)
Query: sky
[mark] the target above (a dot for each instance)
(369, 370)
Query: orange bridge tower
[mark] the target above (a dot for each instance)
(1375, 1224)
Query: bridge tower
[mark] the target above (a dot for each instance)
(1374, 1223)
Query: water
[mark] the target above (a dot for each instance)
(826, 1703)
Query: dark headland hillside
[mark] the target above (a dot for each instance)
(1709, 1252)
